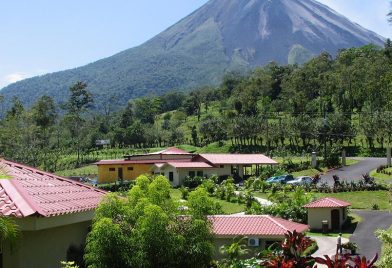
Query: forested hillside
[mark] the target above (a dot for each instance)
(328, 103)
(221, 36)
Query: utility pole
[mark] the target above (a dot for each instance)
(325, 134)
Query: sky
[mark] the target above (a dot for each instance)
(44, 36)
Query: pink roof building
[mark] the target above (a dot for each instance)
(54, 214)
(327, 213)
(253, 225)
(177, 164)
(26, 191)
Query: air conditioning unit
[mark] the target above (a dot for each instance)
(253, 242)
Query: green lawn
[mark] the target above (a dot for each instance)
(381, 177)
(227, 207)
(362, 200)
(359, 200)
(82, 171)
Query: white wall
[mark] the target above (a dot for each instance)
(317, 215)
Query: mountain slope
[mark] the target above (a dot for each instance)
(221, 36)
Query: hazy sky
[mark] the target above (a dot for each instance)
(44, 36)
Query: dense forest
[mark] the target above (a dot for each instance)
(324, 105)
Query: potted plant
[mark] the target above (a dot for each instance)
(350, 246)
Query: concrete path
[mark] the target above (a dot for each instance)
(354, 172)
(263, 202)
(327, 245)
(364, 235)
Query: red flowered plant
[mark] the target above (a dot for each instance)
(347, 261)
(363, 263)
(292, 255)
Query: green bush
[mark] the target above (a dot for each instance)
(193, 182)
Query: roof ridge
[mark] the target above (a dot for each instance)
(276, 222)
(336, 201)
(33, 205)
(35, 171)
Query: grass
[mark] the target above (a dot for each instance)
(82, 171)
(359, 200)
(381, 177)
(348, 228)
(362, 200)
(227, 207)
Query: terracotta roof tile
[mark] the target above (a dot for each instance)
(252, 225)
(245, 159)
(327, 202)
(30, 191)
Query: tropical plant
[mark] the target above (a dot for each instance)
(292, 253)
(234, 252)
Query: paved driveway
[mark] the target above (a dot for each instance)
(327, 245)
(354, 172)
(364, 235)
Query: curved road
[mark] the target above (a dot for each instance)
(364, 235)
(354, 172)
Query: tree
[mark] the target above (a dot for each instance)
(79, 101)
(44, 112)
(201, 205)
(147, 229)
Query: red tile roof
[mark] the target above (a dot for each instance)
(328, 202)
(30, 191)
(253, 225)
(189, 165)
(244, 159)
(147, 162)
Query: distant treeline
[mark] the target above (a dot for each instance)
(343, 101)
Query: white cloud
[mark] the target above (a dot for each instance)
(18, 76)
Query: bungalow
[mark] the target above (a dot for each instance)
(54, 215)
(328, 210)
(177, 164)
(261, 231)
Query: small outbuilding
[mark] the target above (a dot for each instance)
(329, 211)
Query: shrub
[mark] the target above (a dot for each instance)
(193, 182)
(184, 192)
(375, 207)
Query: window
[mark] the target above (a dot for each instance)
(171, 176)
(192, 174)
(200, 174)
(130, 168)
(222, 166)
(112, 169)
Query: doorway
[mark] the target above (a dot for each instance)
(335, 219)
(120, 173)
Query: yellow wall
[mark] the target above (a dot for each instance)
(106, 176)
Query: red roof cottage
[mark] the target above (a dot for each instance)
(260, 230)
(53, 213)
(329, 209)
(176, 164)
